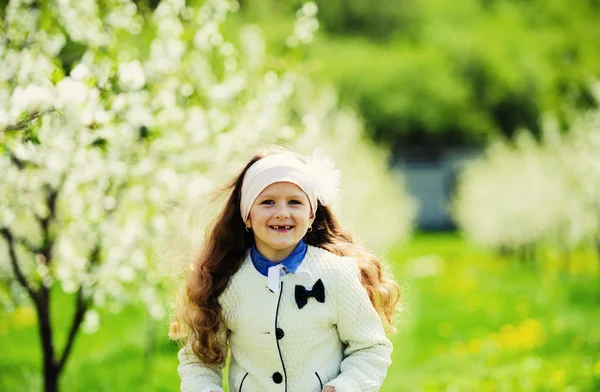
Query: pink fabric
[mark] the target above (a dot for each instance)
(272, 169)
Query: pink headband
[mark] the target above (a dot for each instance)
(271, 169)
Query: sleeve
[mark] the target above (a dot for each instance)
(367, 353)
(197, 376)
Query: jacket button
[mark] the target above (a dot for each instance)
(279, 333)
(277, 378)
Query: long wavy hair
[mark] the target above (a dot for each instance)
(197, 319)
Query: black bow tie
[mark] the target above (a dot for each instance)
(302, 294)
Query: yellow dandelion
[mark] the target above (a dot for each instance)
(489, 386)
(558, 376)
(467, 284)
(531, 334)
(507, 336)
(597, 367)
(24, 316)
(474, 346)
(524, 336)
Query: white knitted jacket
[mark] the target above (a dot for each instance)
(275, 346)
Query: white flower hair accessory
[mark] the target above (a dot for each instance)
(326, 178)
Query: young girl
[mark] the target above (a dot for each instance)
(278, 284)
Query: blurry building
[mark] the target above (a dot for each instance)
(430, 174)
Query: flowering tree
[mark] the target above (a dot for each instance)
(580, 156)
(531, 193)
(94, 152)
(503, 199)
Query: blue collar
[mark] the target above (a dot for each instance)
(291, 263)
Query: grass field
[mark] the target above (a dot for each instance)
(473, 322)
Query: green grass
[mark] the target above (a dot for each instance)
(486, 323)
(473, 322)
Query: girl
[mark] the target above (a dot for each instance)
(278, 284)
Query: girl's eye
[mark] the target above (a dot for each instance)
(295, 202)
(267, 201)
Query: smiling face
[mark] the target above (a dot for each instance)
(279, 218)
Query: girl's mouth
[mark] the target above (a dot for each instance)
(282, 229)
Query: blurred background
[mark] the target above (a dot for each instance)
(467, 132)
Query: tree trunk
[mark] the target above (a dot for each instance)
(522, 254)
(51, 371)
(506, 252)
(534, 253)
(527, 253)
(50, 378)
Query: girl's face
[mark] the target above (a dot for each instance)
(279, 218)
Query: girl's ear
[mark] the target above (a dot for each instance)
(248, 223)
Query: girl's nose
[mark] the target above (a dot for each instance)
(282, 211)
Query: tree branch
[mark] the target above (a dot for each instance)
(48, 243)
(25, 122)
(28, 245)
(19, 163)
(8, 236)
(81, 307)
(82, 304)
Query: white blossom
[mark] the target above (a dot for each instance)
(124, 137)
(71, 93)
(77, 99)
(29, 99)
(305, 26)
(80, 73)
(131, 75)
(91, 321)
(253, 46)
(207, 36)
(533, 193)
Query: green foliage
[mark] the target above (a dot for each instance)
(457, 72)
(375, 18)
(474, 321)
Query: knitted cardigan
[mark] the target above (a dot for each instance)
(276, 346)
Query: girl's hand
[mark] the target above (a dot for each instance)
(329, 389)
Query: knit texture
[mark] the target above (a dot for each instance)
(339, 343)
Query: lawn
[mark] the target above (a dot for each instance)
(473, 321)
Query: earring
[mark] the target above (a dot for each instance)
(248, 230)
(309, 229)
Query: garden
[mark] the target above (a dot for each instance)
(118, 118)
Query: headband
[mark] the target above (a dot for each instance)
(317, 178)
